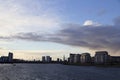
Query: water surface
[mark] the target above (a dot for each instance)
(56, 72)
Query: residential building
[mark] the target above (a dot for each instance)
(85, 58)
(48, 59)
(4, 59)
(77, 58)
(115, 59)
(71, 58)
(101, 57)
(43, 59)
(8, 58)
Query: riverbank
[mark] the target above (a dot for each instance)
(92, 64)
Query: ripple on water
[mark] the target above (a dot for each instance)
(56, 72)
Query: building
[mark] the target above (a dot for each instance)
(58, 60)
(85, 58)
(48, 59)
(101, 57)
(4, 59)
(68, 59)
(43, 59)
(77, 58)
(115, 59)
(71, 58)
(10, 57)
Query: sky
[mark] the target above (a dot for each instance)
(34, 28)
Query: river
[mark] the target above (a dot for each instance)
(56, 72)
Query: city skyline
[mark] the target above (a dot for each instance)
(42, 27)
(100, 58)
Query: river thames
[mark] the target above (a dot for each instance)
(56, 72)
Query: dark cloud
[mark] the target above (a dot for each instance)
(92, 37)
(31, 36)
(6, 38)
(105, 37)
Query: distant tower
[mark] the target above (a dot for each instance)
(10, 57)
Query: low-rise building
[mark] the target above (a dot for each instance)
(85, 58)
(77, 58)
(48, 59)
(43, 58)
(8, 58)
(101, 57)
(71, 58)
(115, 59)
(4, 59)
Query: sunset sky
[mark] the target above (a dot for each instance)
(32, 28)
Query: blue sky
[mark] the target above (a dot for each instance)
(37, 27)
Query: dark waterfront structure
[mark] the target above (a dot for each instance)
(43, 59)
(8, 58)
(74, 58)
(77, 58)
(102, 57)
(85, 58)
(4, 59)
(71, 59)
(115, 59)
(46, 59)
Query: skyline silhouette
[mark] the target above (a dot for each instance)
(100, 58)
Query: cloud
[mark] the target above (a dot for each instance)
(91, 23)
(102, 37)
(31, 36)
(91, 37)
(25, 16)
